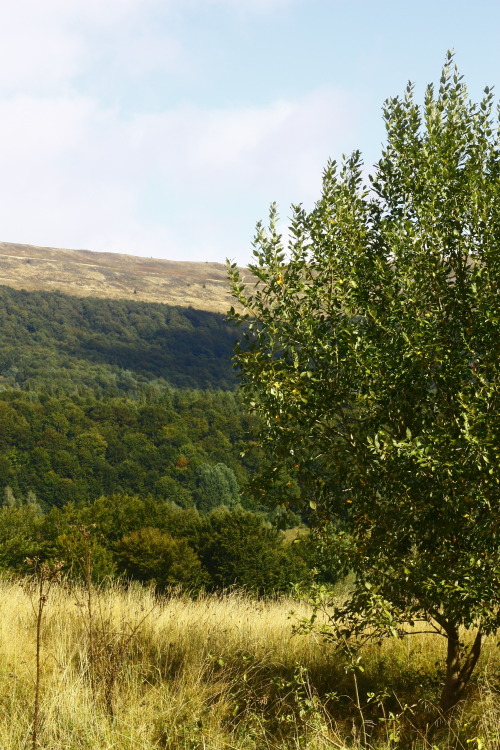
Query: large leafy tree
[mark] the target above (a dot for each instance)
(373, 358)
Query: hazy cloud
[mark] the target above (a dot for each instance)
(79, 171)
(45, 46)
(81, 175)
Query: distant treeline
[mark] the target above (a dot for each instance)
(51, 340)
(145, 539)
(178, 446)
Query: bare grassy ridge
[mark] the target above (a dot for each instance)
(84, 273)
(218, 672)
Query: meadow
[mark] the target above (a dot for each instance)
(121, 668)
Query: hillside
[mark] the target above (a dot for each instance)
(84, 273)
(49, 339)
(105, 396)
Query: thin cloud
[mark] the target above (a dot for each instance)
(45, 47)
(79, 175)
(185, 180)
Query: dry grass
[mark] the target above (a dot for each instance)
(217, 672)
(84, 273)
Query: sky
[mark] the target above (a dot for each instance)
(165, 128)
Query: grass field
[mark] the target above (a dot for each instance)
(217, 672)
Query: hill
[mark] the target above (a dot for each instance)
(49, 339)
(85, 273)
(100, 396)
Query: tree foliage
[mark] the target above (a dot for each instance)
(48, 339)
(75, 448)
(373, 359)
(149, 554)
(217, 485)
(238, 549)
(153, 541)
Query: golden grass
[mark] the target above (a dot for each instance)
(83, 273)
(215, 672)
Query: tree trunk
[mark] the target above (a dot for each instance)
(458, 669)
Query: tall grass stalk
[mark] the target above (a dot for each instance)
(222, 673)
(45, 575)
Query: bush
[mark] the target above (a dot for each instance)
(20, 535)
(151, 555)
(238, 549)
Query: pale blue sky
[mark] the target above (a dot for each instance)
(166, 127)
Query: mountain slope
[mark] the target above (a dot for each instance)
(48, 338)
(84, 273)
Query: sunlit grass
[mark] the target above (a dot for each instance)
(215, 672)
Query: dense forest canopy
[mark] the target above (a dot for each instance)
(89, 404)
(121, 429)
(73, 448)
(50, 339)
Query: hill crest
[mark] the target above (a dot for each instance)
(86, 273)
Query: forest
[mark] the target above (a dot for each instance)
(120, 420)
(52, 341)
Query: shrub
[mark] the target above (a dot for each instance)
(151, 555)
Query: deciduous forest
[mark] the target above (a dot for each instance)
(92, 437)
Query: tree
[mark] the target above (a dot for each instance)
(217, 485)
(236, 548)
(149, 554)
(372, 357)
(21, 535)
